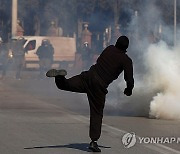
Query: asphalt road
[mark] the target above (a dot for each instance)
(37, 118)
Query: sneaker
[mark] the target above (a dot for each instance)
(94, 146)
(54, 72)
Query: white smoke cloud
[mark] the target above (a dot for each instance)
(163, 75)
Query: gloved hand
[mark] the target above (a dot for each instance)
(127, 92)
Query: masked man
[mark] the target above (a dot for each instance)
(94, 82)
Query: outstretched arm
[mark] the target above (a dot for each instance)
(128, 77)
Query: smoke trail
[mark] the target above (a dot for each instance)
(162, 65)
(164, 69)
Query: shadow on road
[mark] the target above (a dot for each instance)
(78, 146)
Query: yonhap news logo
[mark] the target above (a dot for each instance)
(130, 139)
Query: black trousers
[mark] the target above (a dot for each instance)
(44, 66)
(90, 83)
(19, 62)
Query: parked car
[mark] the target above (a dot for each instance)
(64, 50)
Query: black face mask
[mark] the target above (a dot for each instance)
(122, 43)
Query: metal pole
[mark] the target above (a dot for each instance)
(116, 15)
(175, 21)
(14, 18)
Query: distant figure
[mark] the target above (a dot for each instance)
(54, 30)
(4, 53)
(20, 30)
(18, 52)
(116, 33)
(94, 82)
(86, 56)
(45, 53)
(152, 39)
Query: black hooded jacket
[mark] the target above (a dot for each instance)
(45, 51)
(111, 63)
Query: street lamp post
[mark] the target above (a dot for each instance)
(175, 21)
(14, 18)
